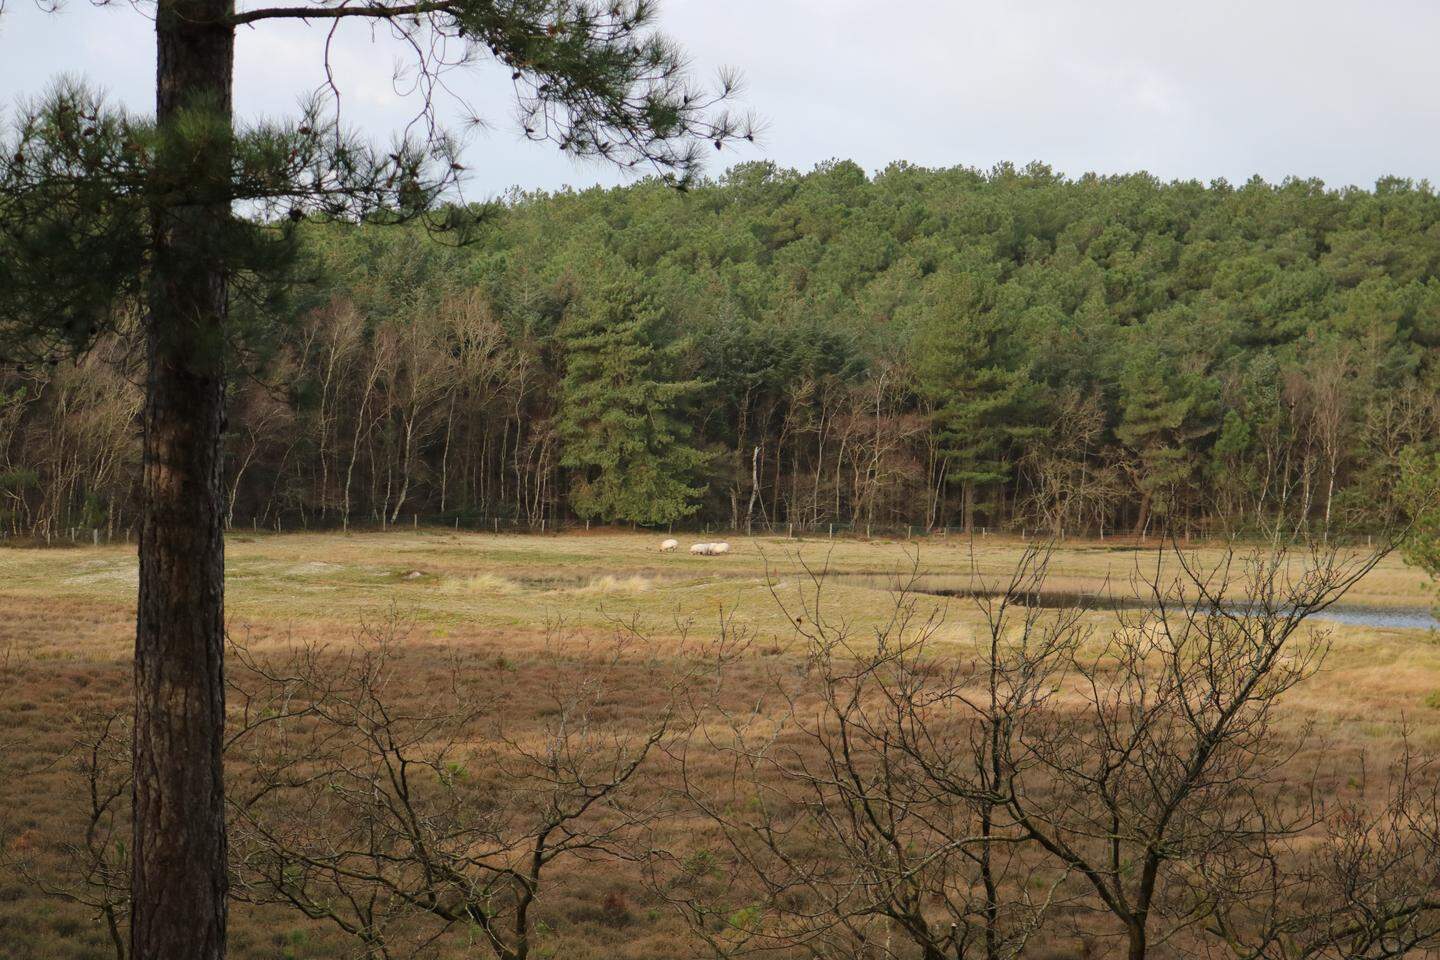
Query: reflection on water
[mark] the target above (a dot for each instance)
(1397, 618)
(1401, 618)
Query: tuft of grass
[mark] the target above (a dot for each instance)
(485, 583)
(611, 584)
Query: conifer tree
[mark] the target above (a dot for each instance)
(1419, 498)
(1167, 404)
(624, 437)
(972, 367)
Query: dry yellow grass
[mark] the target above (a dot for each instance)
(66, 634)
(483, 580)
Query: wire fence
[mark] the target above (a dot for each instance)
(809, 530)
(825, 529)
(549, 525)
(512, 525)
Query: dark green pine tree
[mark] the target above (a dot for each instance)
(620, 425)
(1169, 403)
(1418, 496)
(971, 366)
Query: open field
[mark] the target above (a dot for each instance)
(481, 604)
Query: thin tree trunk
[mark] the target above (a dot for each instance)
(235, 486)
(754, 488)
(360, 425)
(178, 879)
(819, 467)
(406, 454)
(445, 456)
(1334, 459)
(1305, 496)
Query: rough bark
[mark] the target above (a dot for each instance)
(179, 880)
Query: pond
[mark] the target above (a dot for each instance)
(1385, 618)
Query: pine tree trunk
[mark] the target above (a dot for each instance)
(1142, 519)
(178, 883)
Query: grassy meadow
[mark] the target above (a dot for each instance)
(491, 605)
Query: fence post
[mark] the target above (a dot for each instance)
(95, 535)
(415, 520)
(832, 530)
(497, 526)
(909, 529)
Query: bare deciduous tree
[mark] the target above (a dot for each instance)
(1074, 486)
(402, 820)
(1361, 884)
(96, 872)
(869, 821)
(912, 804)
(1168, 756)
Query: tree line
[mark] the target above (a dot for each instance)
(936, 347)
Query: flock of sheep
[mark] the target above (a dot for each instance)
(699, 549)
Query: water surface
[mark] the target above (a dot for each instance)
(1387, 618)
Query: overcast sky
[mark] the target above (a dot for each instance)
(1343, 90)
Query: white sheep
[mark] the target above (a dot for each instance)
(709, 549)
(668, 546)
(719, 548)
